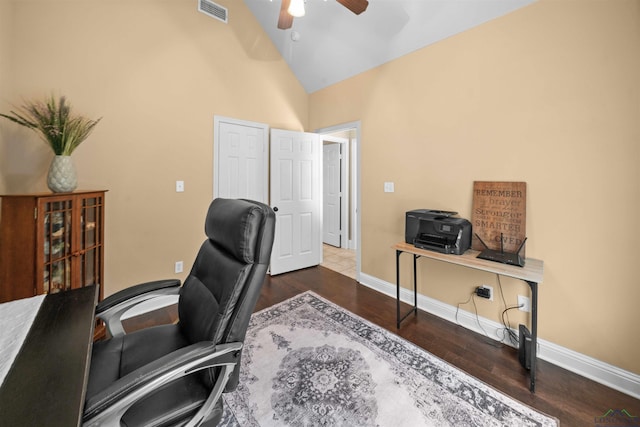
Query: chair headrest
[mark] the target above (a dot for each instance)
(234, 225)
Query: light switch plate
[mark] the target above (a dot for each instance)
(178, 267)
(389, 187)
(179, 186)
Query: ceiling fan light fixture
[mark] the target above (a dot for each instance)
(296, 8)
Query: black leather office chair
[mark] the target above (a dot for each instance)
(175, 374)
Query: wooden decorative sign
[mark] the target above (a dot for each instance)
(499, 209)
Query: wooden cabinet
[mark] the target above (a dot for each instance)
(50, 243)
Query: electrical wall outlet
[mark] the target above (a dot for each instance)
(524, 303)
(490, 291)
(179, 266)
(485, 291)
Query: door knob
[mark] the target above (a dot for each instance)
(275, 209)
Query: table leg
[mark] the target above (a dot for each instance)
(534, 334)
(398, 288)
(415, 284)
(400, 318)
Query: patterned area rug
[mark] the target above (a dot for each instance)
(309, 362)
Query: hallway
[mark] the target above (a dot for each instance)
(340, 260)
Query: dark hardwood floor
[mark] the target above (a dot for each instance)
(574, 400)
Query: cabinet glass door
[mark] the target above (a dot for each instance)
(91, 240)
(57, 245)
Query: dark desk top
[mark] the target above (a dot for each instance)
(46, 384)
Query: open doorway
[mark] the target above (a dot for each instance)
(335, 191)
(341, 213)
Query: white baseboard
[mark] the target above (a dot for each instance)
(596, 370)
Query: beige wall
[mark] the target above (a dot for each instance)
(157, 71)
(548, 95)
(5, 46)
(5, 60)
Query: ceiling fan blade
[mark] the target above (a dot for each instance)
(285, 20)
(355, 6)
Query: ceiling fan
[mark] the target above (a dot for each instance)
(291, 8)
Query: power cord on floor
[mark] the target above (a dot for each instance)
(507, 332)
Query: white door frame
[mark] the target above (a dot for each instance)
(344, 186)
(356, 193)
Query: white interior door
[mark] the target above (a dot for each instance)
(331, 194)
(241, 160)
(296, 196)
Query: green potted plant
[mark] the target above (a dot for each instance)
(53, 120)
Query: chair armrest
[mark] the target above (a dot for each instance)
(114, 306)
(134, 291)
(107, 407)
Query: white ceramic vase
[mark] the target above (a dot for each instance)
(62, 175)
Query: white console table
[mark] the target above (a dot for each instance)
(531, 273)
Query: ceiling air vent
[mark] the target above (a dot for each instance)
(213, 10)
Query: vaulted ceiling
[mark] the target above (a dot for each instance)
(330, 43)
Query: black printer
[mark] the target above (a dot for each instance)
(438, 231)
